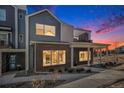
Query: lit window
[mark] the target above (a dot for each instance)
(46, 57)
(62, 57)
(39, 29)
(83, 56)
(45, 30)
(54, 57)
(49, 30)
(2, 15)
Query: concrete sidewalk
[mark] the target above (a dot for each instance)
(97, 80)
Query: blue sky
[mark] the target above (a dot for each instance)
(101, 19)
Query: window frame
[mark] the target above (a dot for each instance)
(51, 56)
(44, 31)
(7, 36)
(87, 58)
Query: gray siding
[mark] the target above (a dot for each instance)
(10, 20)
(21, 27)
(44, 18)
(67, 33)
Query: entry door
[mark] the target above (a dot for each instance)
(12, 62)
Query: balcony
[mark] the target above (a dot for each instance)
(82, 38)
(4, 45)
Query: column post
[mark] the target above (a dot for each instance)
(97, 54)
(100, 55)
(88, 56)
(107, 53)
(72, 57)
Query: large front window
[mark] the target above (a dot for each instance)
(83, 56)
(2, 15)
(62, 56)
(46, 57)
(45, 30)
(54, 57)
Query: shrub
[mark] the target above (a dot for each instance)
(88, 70)
(60, 71)
(66, 69)
(51, 70)
(70, 70)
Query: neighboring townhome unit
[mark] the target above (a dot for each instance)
(54, 45)
(12, 38)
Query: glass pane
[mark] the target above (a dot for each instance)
(54, 57)
(62, 56)
(83, 56)
(3, 36)
(39, 29)
(46, 57)
(49, 30)
(2, 14)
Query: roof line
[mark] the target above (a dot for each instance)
(41, 11)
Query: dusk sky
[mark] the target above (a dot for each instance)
(105, 22)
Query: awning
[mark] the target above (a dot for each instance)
(86, 44)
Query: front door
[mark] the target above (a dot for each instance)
(12, 62)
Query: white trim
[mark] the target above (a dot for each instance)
(89, 55)
(37, 42)
(100, 55)
(27, 42)
(16, 27)
(107, 54)
(5, 28)
(34, 61)
(23, 7)
(86, 44)
(41, 11)
(72, 57)
(12, 50)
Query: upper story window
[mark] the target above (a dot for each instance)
(3, 39)
(2, 15)
(45, 30)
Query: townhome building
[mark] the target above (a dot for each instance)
(53, 44)
(40, 42)
(12, 37)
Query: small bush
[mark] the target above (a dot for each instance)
(60, 71)
(70, 70)
(66, 69)
(106, 63)
(88, 71)
(78, 70)
(114, 63)
(51, 70)
(111, 63)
